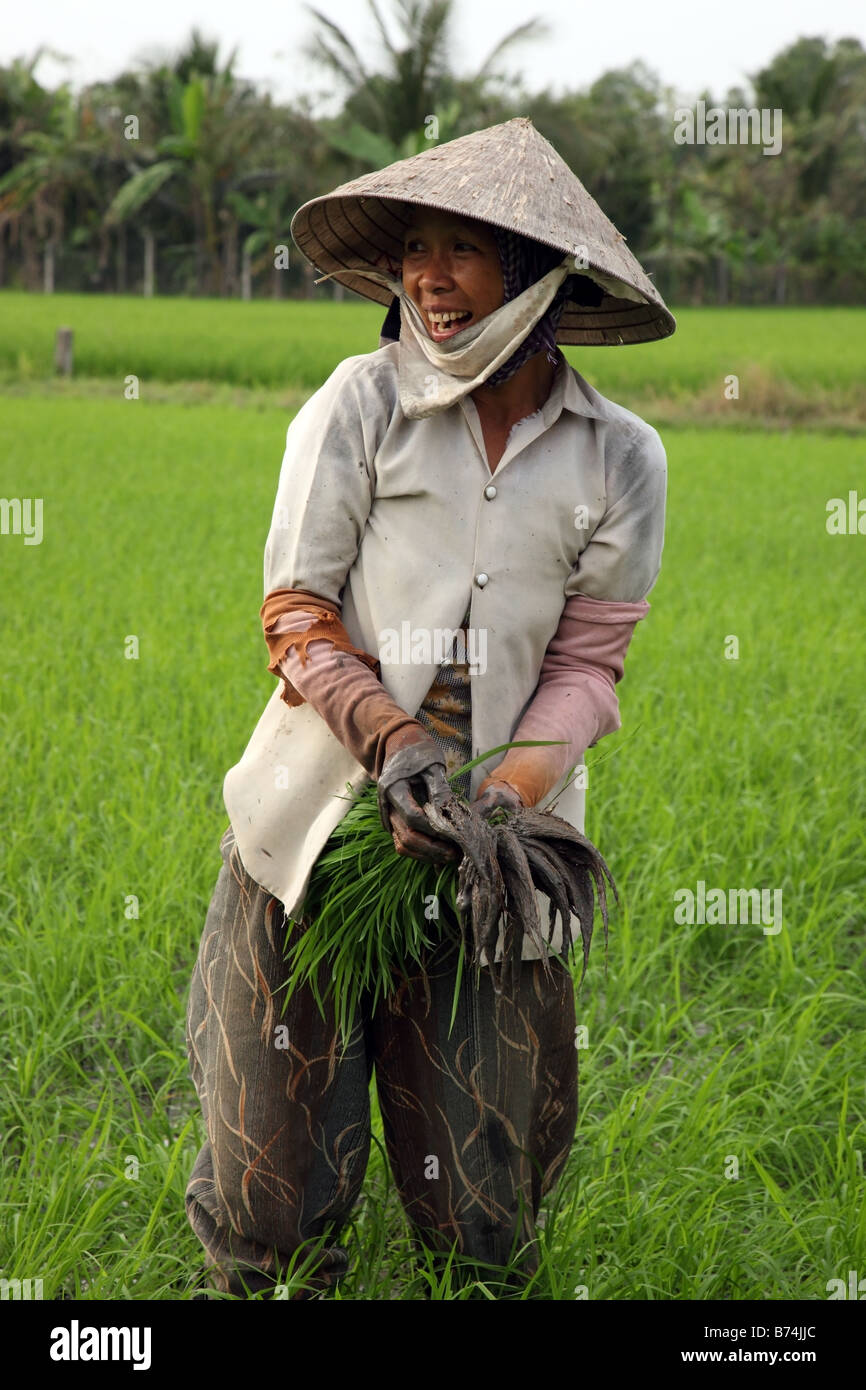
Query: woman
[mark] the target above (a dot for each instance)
(461, 480)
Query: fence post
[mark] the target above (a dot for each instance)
(63, 351)
(149, 263)
(48, 269)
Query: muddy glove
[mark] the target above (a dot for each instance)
(497, 796)
(414, 774)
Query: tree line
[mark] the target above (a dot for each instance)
(181, 177)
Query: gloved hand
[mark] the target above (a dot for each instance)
(414, 768)
(418, 845)
(497, 795)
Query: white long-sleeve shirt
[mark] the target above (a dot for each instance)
(402, 523)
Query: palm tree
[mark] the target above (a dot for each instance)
(56, 167)
(202, 152)
(25, 106)
(386, 113)
(211, 122)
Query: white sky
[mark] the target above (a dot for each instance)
(690, 45)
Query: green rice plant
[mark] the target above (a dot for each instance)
(358, 913)
(704, 1041)
(296, 344)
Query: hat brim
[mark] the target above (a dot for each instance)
(342, 234)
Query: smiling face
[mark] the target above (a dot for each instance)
(451, 271)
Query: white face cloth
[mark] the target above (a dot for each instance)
(433, 376)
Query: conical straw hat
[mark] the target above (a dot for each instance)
(508, 175)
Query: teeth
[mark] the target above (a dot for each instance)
(448, 316)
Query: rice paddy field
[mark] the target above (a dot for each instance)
(719, 1150)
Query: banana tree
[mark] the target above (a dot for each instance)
(373, 150)
(270, 216)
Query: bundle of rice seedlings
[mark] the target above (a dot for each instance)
(363, 913)
(362, 916)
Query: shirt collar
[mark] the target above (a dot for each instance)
(571, 392)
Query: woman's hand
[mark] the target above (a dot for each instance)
(401, 798)
(410, 829)
(497, 796)
(417, 845)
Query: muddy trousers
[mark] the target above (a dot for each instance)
(477, 1126)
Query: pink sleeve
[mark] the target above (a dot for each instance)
(575, 699)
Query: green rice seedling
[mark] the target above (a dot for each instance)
(359, 917)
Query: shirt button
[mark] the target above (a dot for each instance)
(481, 580)
(490, 492)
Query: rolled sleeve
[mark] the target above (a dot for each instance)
(622, 560)
(326, 488)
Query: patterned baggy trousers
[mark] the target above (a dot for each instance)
(477, 1126)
